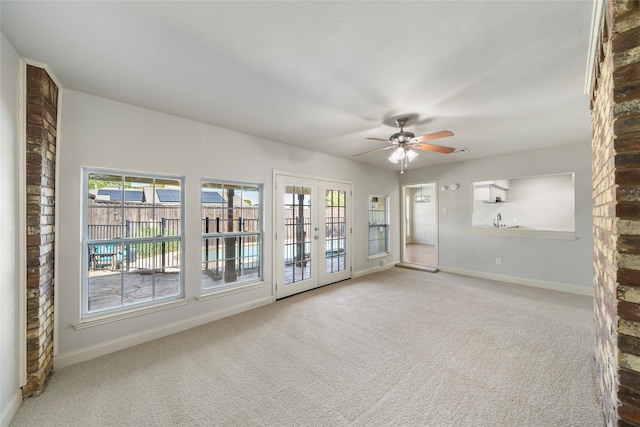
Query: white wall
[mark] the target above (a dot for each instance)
(560, 264)
(97, 132)
(10, 366)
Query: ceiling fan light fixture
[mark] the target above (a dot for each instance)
(405, 144)
(397, 155)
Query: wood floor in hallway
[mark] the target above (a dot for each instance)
(421, 254)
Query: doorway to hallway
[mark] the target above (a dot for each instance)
(420, 224)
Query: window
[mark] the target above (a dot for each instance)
(133, 239)
(231, 233)
(378, 225)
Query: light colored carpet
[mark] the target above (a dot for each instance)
(396, 348)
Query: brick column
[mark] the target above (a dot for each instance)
(42, 105)
(615, 110)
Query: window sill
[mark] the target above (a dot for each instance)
(224, 291)
(109, 318)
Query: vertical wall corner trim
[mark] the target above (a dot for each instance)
(594, 43)
(22, 222)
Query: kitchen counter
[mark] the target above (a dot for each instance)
(523, 231)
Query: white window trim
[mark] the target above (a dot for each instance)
(222, 291)
(235, 287)
(119, 313)
(103, 319)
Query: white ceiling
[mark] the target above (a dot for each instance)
(504, 76)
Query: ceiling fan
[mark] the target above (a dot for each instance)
(404, 144)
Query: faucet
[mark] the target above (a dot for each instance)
(496, 222)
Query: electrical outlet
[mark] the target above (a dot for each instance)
(498, 261)
(444, 210)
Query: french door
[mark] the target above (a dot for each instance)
(313, 233)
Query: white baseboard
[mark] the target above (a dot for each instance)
(67, 359)
(374, 269)
(87, 353)
(12, 408)
(418, 267)
(555, 286)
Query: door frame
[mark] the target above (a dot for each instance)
(404, 225)
(276, 227)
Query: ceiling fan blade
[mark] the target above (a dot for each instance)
(436, 148)
(374, 150)
(431, 136)
(380, 139)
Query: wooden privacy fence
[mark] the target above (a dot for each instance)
(164, 227)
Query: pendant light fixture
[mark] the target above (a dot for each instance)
(421, 198)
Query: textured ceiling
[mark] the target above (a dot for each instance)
(504, 76)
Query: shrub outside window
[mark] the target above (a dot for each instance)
(133, 240)
(231, 233)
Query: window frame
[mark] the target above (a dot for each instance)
(87, 243)
(372, 211)
(238, 234)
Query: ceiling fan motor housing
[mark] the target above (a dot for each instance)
(402, 137)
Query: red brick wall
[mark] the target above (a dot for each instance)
(604, 228)
(615, 111)
(41, 132)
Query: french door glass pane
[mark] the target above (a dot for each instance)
(335, 230)
(297, 246)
